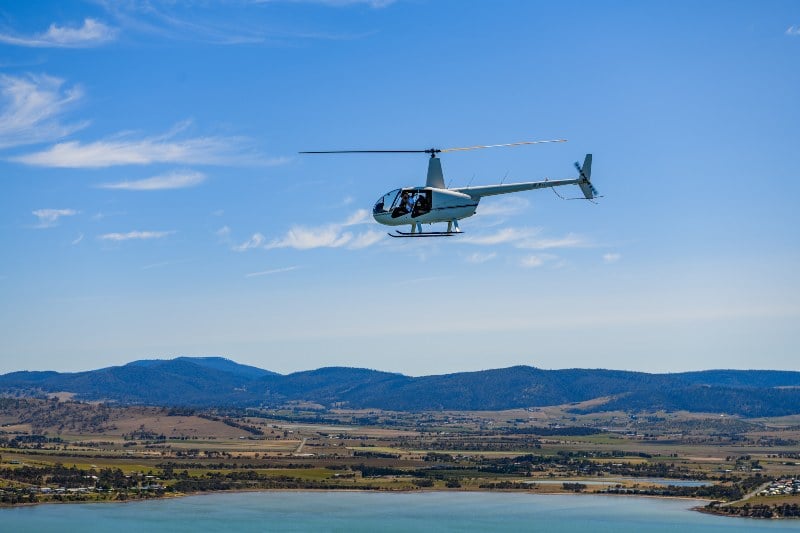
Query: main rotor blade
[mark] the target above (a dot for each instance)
(499, 145)
(432, 151)
(369, 152)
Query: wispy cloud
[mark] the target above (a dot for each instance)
(327, 236)
(256, 241)
(30, 106)
(77, 239)
(337, 3)
(526, 238)
(534, 261)
(611, 257)
(223, 235)
(503, 206)
(416, 281)
(793, 30)
(179, 179)
(48, 218)
(244, 22)
(304, 238)
(165, 264)
(123, 150)
(173, 21)
(505, 235)
(102, 216)
(333, 235)
(134, 235)
(478, 257)
(92, 33)
(359, 217)
(270, 272)
(365, 239)
(570, 240)
(347, 200)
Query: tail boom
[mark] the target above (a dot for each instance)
(582, 181)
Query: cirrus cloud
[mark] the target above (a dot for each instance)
(270, 272)
(332, 235)
(526, 238)
(503, 206)
(180, 179)
(166, 148)
(305, 238)
(134, 235)
(343, 3)
(365, 239)
(29, 107)
(256, 241)
(48, 218)
(478, 257)
(534, 261)
(92, 33)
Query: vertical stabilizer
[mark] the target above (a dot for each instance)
(585, 172)
(435, 176)
(586, 169)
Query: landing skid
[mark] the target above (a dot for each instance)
(424, 234)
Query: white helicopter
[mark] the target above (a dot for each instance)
(435, 203)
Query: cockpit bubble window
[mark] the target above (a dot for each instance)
(386, 203)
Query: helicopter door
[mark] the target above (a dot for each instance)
(422, 205)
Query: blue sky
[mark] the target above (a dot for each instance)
(155, 204)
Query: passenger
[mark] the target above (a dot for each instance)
(422, 204)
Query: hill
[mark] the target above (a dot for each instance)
(216, 381)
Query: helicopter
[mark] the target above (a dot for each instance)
(436, 203)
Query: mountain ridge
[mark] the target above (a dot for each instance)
(221, 382)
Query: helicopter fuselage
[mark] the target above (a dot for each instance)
(423, 205)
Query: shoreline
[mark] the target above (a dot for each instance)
(706, 510)
(170, 496)
(173, 495)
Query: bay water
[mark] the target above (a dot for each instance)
(383, 512)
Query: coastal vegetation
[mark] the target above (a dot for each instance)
(61, 450)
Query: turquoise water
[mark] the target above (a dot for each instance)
(358, 511)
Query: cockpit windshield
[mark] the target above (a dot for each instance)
(386, 202)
